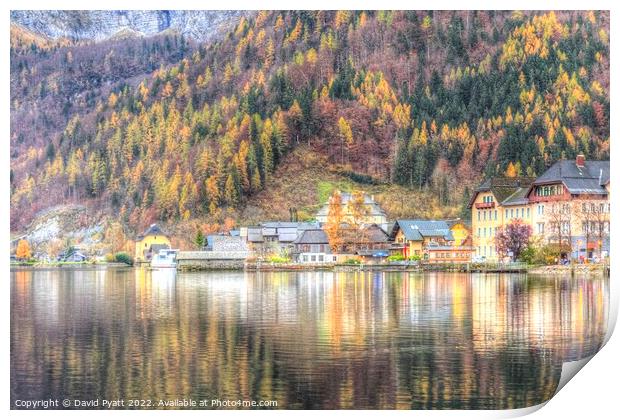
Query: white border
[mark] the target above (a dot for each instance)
(592, 394)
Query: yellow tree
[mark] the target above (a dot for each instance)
(346, 135)
(358, 212)
(23, 250)
(335, 218)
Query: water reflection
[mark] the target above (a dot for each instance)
(307, 340)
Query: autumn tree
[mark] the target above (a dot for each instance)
(511, 240)
(23, 250)
(335, 220)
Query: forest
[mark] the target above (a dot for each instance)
(168, 129)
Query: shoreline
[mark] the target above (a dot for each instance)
(577, 269)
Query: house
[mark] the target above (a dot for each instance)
(431, 240)
(496, 202)
(312, 247)
(371, 244)
(375, 214)
(150, 243)
(72, 255)
(412, 236)
(570, 207)
(274, 238)
(461, 232)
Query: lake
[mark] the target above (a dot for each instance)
(304, 339)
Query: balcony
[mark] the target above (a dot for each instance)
(488, 205)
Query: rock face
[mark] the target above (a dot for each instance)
(98, 25)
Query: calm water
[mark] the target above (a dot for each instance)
(306, 340)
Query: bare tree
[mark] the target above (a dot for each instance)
(560, 227)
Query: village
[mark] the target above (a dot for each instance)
(561, 217)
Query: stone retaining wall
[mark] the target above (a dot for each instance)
(210, 260)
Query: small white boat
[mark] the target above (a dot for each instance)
(165, 258)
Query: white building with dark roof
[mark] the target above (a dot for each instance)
(375, 215)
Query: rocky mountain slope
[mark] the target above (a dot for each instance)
(98, 25)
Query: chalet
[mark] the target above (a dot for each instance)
(431, 240)
(150, 243)
(312, 246)
(371, 245)
(375, 215)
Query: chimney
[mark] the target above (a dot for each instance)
(580, 161)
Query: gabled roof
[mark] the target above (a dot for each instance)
(284, 231)
(374, 234)
(519, 197)
(452, 222)
(588, 179)
(417, 230)
(312, 236)
(501, 187)
(373, 208)
(152, 230)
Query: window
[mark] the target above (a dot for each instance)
(313, 258)
(478, 215)
(506, 213)
(334, 258)
(305, 258)
(522, 213)
(321, 258)
(495, 214)
(484, 215)
(528, 212)
(512, 213)
(540, 228)
(479, 232)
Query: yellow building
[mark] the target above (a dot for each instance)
(150, 243)
(495, 203)
(460, 232)
(568, 205)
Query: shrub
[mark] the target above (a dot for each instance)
(546, 254)
(414, 258)
(123, 257)
(278, 259)
(109, 258)
(352, 261)
(397, 257)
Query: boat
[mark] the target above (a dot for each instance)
(165, 258)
